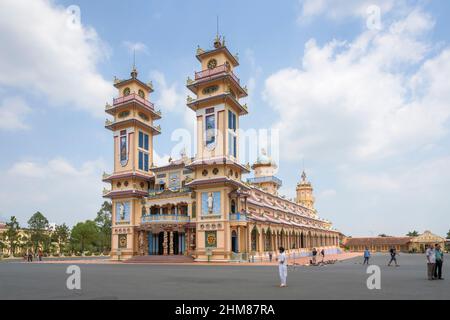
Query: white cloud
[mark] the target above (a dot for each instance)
(47, 56)
(12, 113)
(172, 98)
(62, 191)
(372, 114)
(338, 9)
(358, 100)
(136, 46)
(169, 97)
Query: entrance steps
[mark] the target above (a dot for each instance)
(160, 259)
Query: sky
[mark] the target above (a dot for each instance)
(355, 92)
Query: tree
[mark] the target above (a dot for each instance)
(84, 234)
(38, 225)
(61, 235)
(12, 234)
(412, 234)
(104, 223)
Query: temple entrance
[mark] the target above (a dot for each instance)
(166, 243)
(234, 242)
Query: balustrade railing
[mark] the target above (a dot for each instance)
(165, 218)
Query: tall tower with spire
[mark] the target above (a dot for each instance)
(305, 192)
(216, 165)
(133, 131)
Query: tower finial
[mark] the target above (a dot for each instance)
(217, 40)
(134, 72)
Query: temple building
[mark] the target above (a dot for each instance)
(202, 207)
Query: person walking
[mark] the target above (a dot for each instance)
(282, 267)
(270, 256)
(431, 261)
(439, 255)
(322, 253)
(366, 256)
(393, 253)
(314, 256)
(40, 254)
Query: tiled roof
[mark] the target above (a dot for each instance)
(393, 241)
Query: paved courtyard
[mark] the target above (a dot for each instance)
(344, 280)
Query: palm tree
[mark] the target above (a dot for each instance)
(412, 234)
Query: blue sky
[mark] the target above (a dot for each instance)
(365, 110)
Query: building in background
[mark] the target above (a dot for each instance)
(403, 244)
(201, 207)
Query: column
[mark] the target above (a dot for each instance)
(160, 210)
(238, 239)
(171, 243)
(165, 243)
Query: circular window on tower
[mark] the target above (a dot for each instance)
(212, 64)
(215, 171)
(119, 184)
(126, 91)
(142, 185)
(205, 173)
(125, 183)
(141, 94)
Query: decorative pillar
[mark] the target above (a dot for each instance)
(171, 243)
(165, 243)
(238, 239)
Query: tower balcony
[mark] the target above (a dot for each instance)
(222, 71)
(135, 100)
(165, 218)
(258, 180)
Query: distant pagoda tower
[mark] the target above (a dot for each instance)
(305, 193)
(216, 165)
(264, 174)
(133, 132)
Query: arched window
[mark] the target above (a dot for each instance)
(126, 91)
(141, 94)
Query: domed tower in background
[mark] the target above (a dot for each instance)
(305, 193)
(265, 178)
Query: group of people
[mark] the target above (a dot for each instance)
(29, 256)
(434, 255)
(435, 260)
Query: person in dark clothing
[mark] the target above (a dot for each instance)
(314, 255)
(322, 253)
(439, 261)
(393, 253)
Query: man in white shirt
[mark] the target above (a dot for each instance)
(282, 267)
(431, 261)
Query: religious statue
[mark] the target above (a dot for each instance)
(141, 242)
(210, 203)
(121, 211)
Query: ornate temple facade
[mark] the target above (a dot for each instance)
(201, 206)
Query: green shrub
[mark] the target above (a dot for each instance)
(78, 254)
(88, 253)
(96, 253)
(6, 256)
